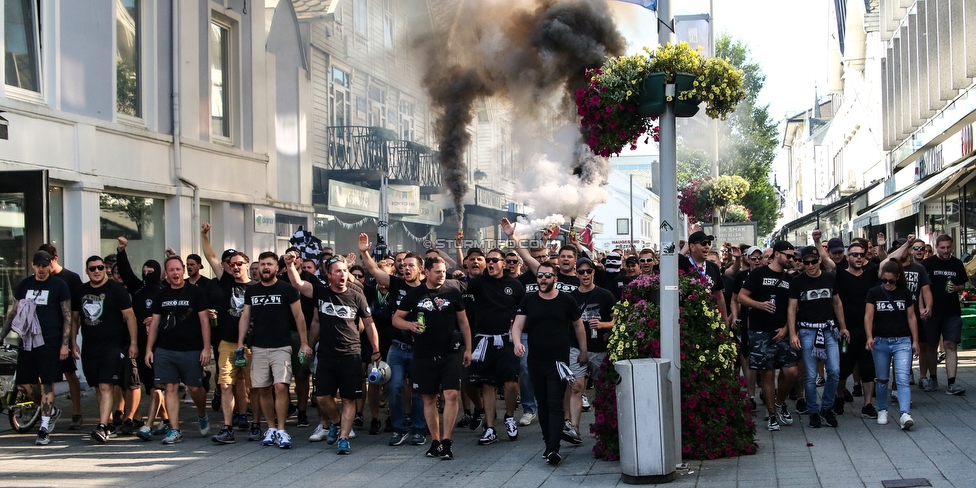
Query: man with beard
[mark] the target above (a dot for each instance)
(339, 354)
(494, 363)
(949, 277)
(400, 355)
(274, 307)
(696, 265)
(102, 311)
(143, 291)
(474, 265)
(853, 284)
(302, 373)
(442, 344)
(549, 317)
(910, 254)
(566, 279)
(179, 345)
(233, 282)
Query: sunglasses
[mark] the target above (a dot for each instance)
(811, 262)
(238, 265)
(889, 282)
(705, 243)
(646, 260)
(757, 258)
(494, 260)
(100, 267)
(545, 275)
(358, 276)
(918, 248)
(856, 254)
(585, 271)
(511, 261)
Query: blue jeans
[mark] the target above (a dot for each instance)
(900, 350)
(525, 383)
(831, 369)
(401, 362)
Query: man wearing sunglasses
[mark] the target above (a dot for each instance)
(816, 322)
(948, 275)
(766, 294)
(232, 277)
(302, 373)
(739, 317)
(566, 279)
(102, 310)
(853, 284)
(696, 265)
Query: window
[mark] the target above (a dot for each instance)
(21, 44)
(388, 31)
(220, 80)
(128, 86)
(623, 227)
(359, 16)
(139, 219)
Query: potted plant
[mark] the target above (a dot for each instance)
(624, 96)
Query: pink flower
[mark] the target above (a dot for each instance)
(595, 99)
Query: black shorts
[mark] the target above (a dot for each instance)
(129, 378)
(857, 355)
(433, 375)
(101, 368)
(146, 375)
(949, 328)
(766, 355)
(499, 366)
(67, 365)
(339, 373)
(40, 365)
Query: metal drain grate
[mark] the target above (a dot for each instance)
(906, 483)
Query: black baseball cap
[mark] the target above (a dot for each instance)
(228, 253)
(781, 246)
(42, 258)
(698, 237)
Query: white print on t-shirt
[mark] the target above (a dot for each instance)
(773, 282)
(93, 306)
(885, 306)
(912, 277)
(815, 294)
(236, 302)
(175, 303)
(435, 304)
(39, 297)
(259, 300)
(341, 311)
(944, 272)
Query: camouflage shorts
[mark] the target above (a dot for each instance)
(764, 354)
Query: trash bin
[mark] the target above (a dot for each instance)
(645, 421)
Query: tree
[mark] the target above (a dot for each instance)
(747, 140)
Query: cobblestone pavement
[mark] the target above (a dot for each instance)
(941, 448)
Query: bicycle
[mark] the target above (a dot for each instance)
(17, 401)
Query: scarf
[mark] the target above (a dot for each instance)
(820, 341)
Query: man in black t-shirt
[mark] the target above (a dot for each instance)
(39, 363)
(302, 373)
(68, 365)
(549, 317)
(179, 345)
(948, 275)
(273, 309)
(853, 284)
(766, 294)
(102, 311)
(816, 321)
(340, 308)
(442, 345)
(233, 281)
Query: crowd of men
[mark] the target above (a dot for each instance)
(528, 325)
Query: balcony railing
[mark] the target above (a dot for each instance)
(372, 151)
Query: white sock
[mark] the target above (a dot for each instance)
(45, 422)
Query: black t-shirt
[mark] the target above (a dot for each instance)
(47, 296)
(70, 278)
(398, 289)
(440, 308)
(339, 315)
(564, 283)
(597, 302)
(736, 287)
(184, 306)
(271, 313)
(609, 281)
(815, 299)
(103, 327)
(229, 312)
(853, 291)
(917, 277)
(548, 324)
(941, 271)
(889, 322)
(710, 272)
(764, 283)
(496, 300)
(308, 304)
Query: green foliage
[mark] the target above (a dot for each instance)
(126, 89)
(693, 164)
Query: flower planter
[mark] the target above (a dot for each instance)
(652, 99)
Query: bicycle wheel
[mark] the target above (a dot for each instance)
(24, 414)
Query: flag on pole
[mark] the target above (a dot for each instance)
(586, 237)
(555, 231)
(648, 4)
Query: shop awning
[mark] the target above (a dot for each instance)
(909, 201)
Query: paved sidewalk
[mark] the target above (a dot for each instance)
(941, 447)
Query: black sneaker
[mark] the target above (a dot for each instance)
(838, 408)
(829, 418)
(447, 453)
(857, 390)
(553, 458)
(464, 421)
(435, 449)
(303, 419)
(206, 380)
(292, 410)
(225, 436)
(477, 420)
(821, 381)
(388, 427)
(815, 420)
(374, 426)
(869, 412)
(848, 396)
(117, 417)
(772, 424)
(488, 437)
(128, 427)
(242, 422)
(801, 406)
(359, 420)
(215, 402)
(43, 437)
(100, 434)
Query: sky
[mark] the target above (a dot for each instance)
(788, 38)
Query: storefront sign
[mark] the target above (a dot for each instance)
(429, 212)
(736, 233)
(484, 197)
(264, 220)
(353, 199)
(403, 199)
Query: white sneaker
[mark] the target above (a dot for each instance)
(270, 437)
(906, 421)
(882, 417)
(319, 434)
(586, 404)
(352, 434)
(527, 419)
